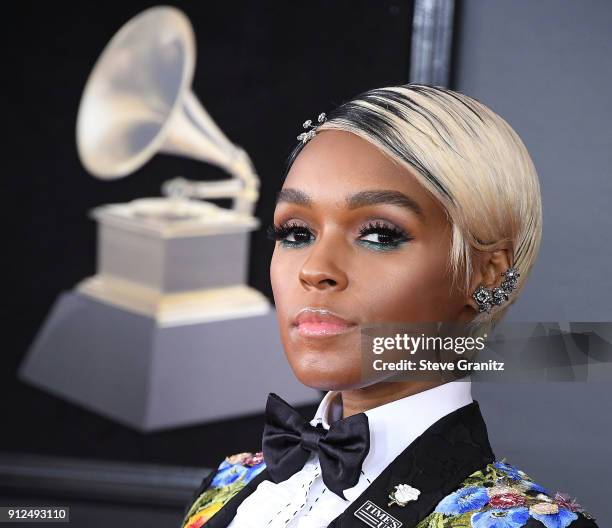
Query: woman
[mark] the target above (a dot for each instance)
(414, 204)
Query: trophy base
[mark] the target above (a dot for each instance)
(172, 309)
(126, 366)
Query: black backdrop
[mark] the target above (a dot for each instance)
(262, 69)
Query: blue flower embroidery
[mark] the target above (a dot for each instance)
(497, 518)
(252, 472)
(230, 473)
(556, 520)
(511, 471)
(464, 500)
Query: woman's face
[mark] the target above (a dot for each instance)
(361, 238)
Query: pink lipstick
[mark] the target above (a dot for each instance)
(321, 322)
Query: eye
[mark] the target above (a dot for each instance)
(380, 235)
(289, 234)
(376, 235)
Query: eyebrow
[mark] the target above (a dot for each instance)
(358, 199)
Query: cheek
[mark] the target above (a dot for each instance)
(413, 288)
(281, 278)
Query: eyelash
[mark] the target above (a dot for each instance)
(399, 236)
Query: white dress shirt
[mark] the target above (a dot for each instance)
(303, 500)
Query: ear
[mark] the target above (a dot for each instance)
(488, 269)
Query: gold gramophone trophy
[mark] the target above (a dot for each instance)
(167, 332)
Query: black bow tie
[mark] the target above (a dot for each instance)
(288, 440)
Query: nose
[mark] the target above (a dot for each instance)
(322, 268)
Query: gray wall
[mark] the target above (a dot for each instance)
(546, 68)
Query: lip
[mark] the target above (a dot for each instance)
(321, 322)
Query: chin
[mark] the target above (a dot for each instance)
(321, 375)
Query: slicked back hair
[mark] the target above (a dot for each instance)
(468, 157)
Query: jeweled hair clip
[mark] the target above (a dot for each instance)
(305, 136)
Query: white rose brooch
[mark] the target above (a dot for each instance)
(403, 494)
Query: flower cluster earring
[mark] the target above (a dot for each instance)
(487, 298)
(305, 136)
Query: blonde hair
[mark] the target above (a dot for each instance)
(469, 158)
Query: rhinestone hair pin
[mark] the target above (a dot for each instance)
(487, 298)
(305, 136)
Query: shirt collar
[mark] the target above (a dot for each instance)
(395, 425)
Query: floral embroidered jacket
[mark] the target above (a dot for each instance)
(461, 485)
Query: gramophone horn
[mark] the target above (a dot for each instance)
(138, 102)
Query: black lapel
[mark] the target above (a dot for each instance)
(224, 516)
(435, 463)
